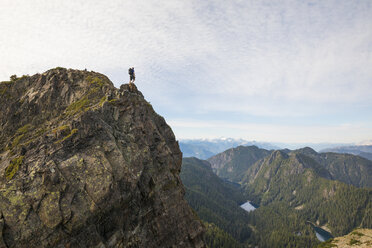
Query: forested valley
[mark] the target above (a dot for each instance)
(293, 190)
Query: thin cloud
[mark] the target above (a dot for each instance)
(259, 58)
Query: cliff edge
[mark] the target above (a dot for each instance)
(83, 164)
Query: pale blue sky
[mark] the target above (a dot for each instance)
(283, 71)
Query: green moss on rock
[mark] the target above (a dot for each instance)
(90, 99)
(13, 167)
(96, 81)
(78, 106)
(327, 244)
(61, 129)
(16, 141)
(354, 242)
(6, 83)
(73, 131)
(3, 90)
(24, 129)
(357, 233)
(102, 101)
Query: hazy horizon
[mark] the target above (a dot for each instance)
(280, 145)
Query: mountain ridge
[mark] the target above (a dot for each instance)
(206, 148)
(232, 163)
(360, 150)
(348, 168)
(83, 164)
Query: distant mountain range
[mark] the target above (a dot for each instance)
(206, 148)
(361, 150)
(233, 163)
(316, 146)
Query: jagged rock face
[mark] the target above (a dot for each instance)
(84, 164)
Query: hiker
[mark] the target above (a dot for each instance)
(132, 75)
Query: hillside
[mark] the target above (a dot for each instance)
(232, 163)
(294, 189)
(214, 200)
(361, 150)
(346, 168)
(83, 164)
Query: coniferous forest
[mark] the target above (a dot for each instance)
(294, 192)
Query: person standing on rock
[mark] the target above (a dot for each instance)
(132, 75)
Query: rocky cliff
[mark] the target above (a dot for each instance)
(83, 164)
